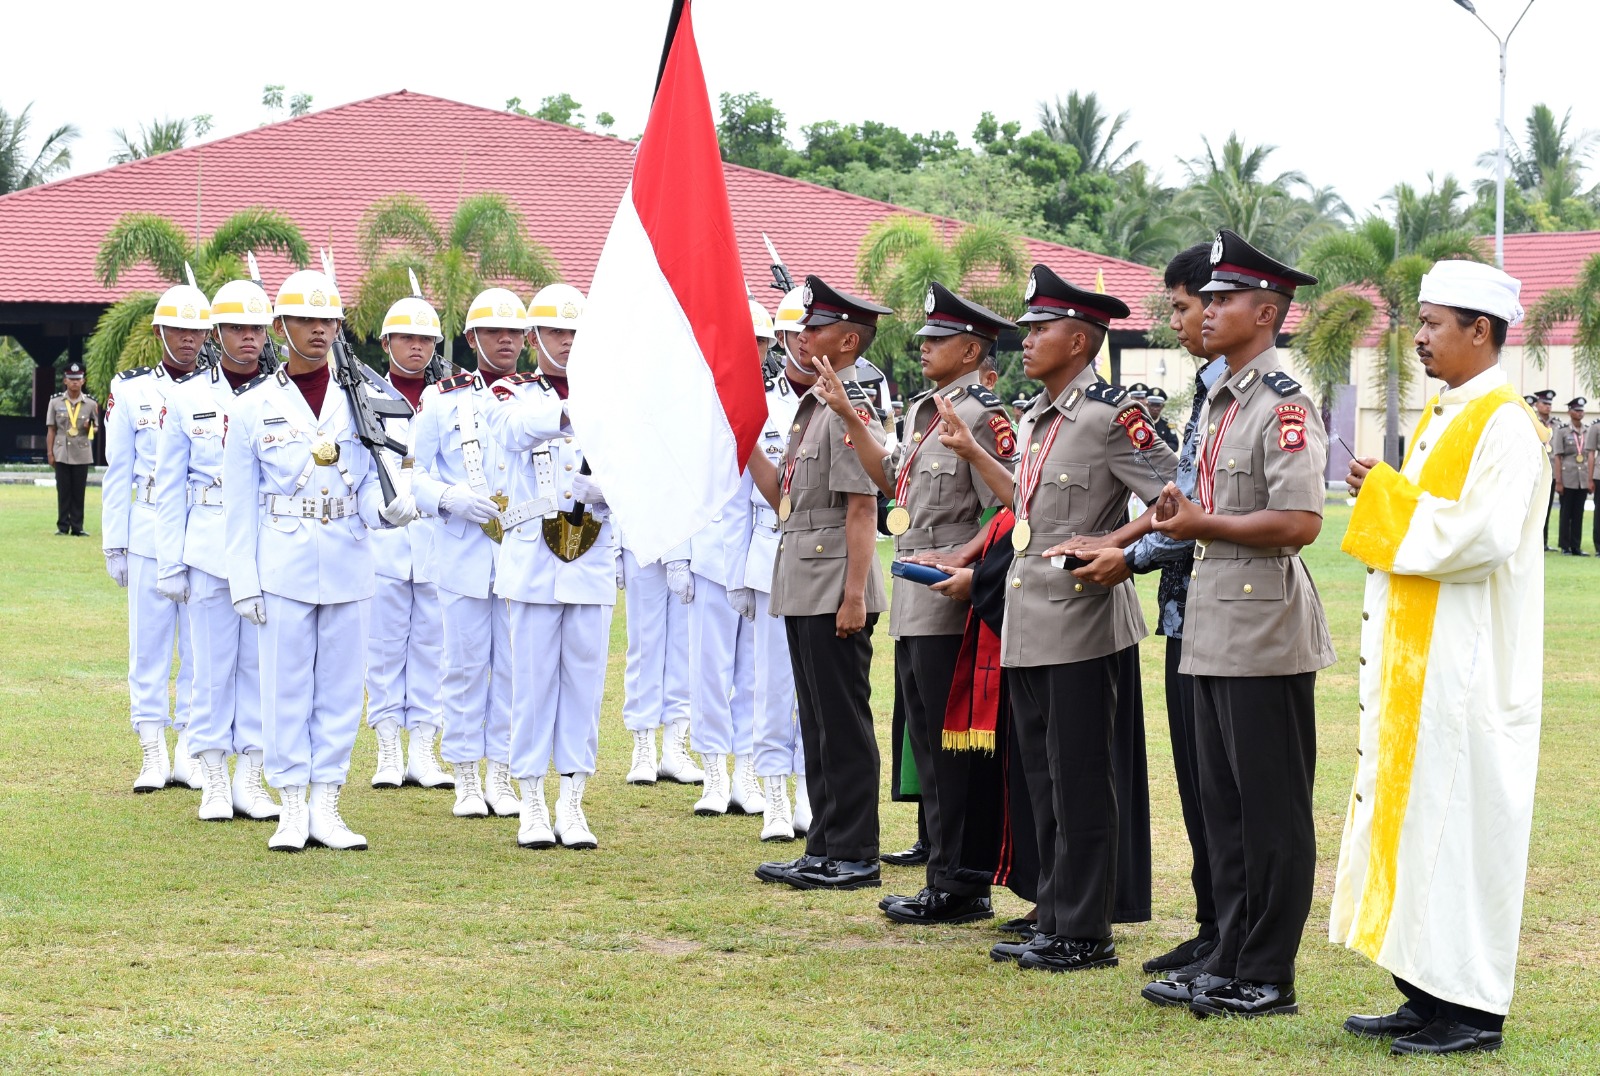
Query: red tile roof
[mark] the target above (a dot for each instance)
(325, 169)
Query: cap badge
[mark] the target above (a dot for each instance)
(1216, 249)
(569, 311)
(318, 299)
(256, 306)
(188, 310)
(805, 296)
(1072, 312)
(503, 310)
(1033, 286)
(928, 303)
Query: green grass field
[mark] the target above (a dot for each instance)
(138, 939)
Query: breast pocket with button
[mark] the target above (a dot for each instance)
(1063, 497)
(1236, 481)
(808, 467)
(937, 481)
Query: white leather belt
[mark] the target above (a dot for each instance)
(211, 494)
(324, 508)
(144, 489)
(766, 517)
(518, 514)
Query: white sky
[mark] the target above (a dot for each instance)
(1357, 94)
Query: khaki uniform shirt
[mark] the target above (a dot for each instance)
(809, 573)
(1104, 449)
(945, 498)
(72, 442)
(1571, 461)
(1252, 611)
(1591, 453)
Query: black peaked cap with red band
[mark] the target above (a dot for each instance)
(1238, 266)
(948, 314)
(1049, 297)
(825, 305)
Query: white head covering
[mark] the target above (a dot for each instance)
(1473, 286)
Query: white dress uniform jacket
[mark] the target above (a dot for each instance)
(452, 445)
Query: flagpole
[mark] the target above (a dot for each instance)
(666, 47)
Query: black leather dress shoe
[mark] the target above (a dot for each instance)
(1403, 1021)
(836, 874)
(779, 872)
(1184, 955)
(1180, 987)
(936, 907)
(1020, 926)
(901, 898)
(1443, 1036)
(915, 855)
(1005, 951)
(1071, 954)
(1242, 997)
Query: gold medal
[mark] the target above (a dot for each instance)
(785, 507)
(1021, 535)
(325, 453)
(898, 521)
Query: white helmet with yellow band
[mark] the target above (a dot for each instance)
(496, 308)
(762, 321)
(308, 294)
(183, 306)
(241, 302)
(412, 315)
(556, 306)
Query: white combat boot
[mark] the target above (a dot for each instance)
(293, 822)
(676, 762)
(327, 828)
(534, 831)
(777, 824)
(154, 765)
(391, 760)
(250, 796)
(216, 798)
(643, 770)
(745, 791)
(714, 800)
(572, 827)
(802, 805)
(469, 793)
(422, 764)
(185, 770)
(499, 793)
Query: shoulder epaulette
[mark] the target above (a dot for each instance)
(459, 381)
(1282, 383)
(854, 391)
(252, 383)
(190, 376)
(137, 371)
(988, 400)
(1105, 393)
(530, 377)
(59, 395)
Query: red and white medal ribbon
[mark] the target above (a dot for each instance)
(1209, 458)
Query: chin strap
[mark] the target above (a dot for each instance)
(538, 342)
(483, 361)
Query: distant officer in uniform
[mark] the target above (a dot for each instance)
(655, 674)
(1572, 466)
(558, 571)
(128, 535)
(192, 559)
(1155, 403)
(1540, 402)
(827, 585)
(1085, 447)
(939, 499)
(302, 495)
(1254, 633)
(463, 477)
(70, 421)
(405, 642)
(1591, 472)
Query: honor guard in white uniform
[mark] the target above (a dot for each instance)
(304, 492)
(191, 559)
(558, 570)
(462, 477)
(655, 679)
(405, 639)
(128, 536)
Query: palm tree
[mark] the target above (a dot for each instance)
(1548, 170)
(119, 341)
(1142, 225)
(1282, 214)
(161, 136)
(1078, 122)
(53, 156)
(1365, 267)
(901, 255)
(1579, 303)
(484, 243)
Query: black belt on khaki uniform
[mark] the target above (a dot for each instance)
(1216, 549)
(815, 519)
(920, 538)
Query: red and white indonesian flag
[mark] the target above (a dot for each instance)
(666, 393)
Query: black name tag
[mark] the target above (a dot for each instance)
(205, 414)
(278, 421)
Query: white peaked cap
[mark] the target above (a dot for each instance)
(1473, 286)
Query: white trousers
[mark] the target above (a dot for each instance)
(404, 646)
(311, 675)
(476, 700)
(152, 620)
(226, 711)
(777, 723)
(655, 682)
(722, 673)
(560, 657)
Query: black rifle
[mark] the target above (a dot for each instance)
(371, 400)
(209, 356)
(780, 272)
(436, 370)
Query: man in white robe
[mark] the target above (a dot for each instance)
(1434, 857)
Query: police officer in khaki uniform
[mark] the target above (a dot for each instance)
(1254, 634)
(1085, 446)
(827, 586)
(1572, 466)
(1540, 402)
(71, 420)
(938, 500)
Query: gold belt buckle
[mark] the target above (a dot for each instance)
(1200, 548)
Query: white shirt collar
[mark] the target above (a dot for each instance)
(1484, 383)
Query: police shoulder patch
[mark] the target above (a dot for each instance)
(1136, 424)
(459, 381)
(1281, 383)
(259, 379)
(137, 371)
(531, 377)
(1105, 393)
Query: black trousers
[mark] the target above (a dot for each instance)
(1257, 743)
(1548, 504)
(832, 681)
(71, 480)
(1186, 763)
(1429, 1007)
(1569, 529)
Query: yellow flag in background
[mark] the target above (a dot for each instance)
(1102, 361)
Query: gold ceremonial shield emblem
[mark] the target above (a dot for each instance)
(325, 453)
(494, 529)
(568, 541)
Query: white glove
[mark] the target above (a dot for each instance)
(461, 500)
(252, 610)
(174, 588)
(743, 601)
(622, 579)
(586, 491)
(400, 511)
(117, 566)
(680, 580)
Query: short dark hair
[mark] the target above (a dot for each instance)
(1498, 327)
(1190, 269)
(989, 361)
